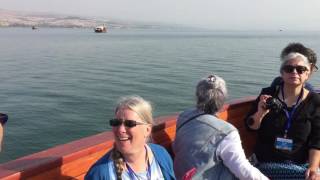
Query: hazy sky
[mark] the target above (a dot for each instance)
(215, 14)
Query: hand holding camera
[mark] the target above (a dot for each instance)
(267, 103)
(273, 104)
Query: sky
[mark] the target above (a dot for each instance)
(212, 14)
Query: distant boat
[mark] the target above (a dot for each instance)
(100, 29)
(34, 28)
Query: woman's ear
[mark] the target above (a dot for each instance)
(148, 130)
(308, 75)
(281, 73)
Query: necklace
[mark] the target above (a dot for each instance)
(133, 175)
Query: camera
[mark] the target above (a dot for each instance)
(274, 104)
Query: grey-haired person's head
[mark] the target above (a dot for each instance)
(211, 93)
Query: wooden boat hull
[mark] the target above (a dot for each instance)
(72, 160)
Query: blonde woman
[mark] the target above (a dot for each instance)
(132, 157)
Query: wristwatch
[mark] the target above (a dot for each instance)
(3, 118)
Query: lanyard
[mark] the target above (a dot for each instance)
(132, 174)
(289, 115)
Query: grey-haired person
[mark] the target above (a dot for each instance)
(287, 120)
(307, 52)
(207, 145)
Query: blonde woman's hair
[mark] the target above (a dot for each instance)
(137, 104)
(144, 110)
(118, 162)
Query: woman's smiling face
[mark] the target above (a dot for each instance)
(130, 140)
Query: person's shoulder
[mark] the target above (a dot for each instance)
(159, 151)
(269, 90)
(276, 81)
(164, 159)
(188, 112)
(100, 168)
(156, 147)
(315, 97)
(187, 115)
(309, 87)
(104, 159)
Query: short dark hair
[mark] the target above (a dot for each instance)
(300, 48)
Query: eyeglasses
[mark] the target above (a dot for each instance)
(127, 123)
(290, 69)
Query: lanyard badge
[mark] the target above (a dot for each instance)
(284, 143)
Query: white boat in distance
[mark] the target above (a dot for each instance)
(100, 29)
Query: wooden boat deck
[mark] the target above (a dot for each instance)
(72, 160)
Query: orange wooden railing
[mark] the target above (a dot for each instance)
(72, 160)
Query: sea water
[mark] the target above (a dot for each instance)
(59, 85)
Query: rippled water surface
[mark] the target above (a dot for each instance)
(58, 85)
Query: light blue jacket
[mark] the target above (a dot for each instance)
(196, 143)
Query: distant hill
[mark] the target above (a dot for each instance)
(10, 18)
